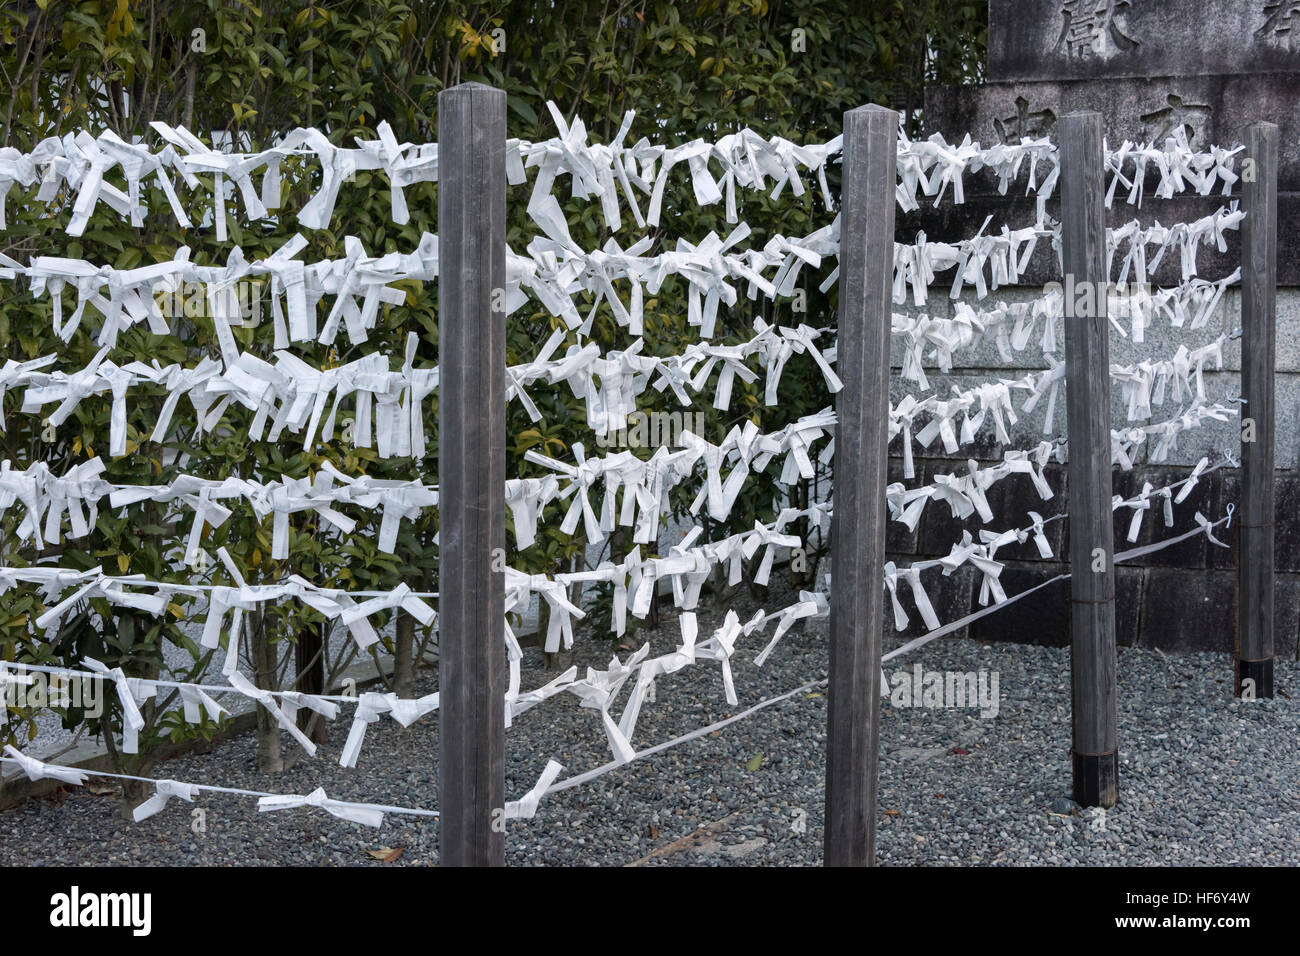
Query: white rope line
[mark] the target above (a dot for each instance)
(369, 814)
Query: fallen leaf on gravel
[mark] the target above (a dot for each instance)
(960, 751)
(755, 762)
(387, 854)
(891, 813)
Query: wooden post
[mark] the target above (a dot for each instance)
(861, 454)
(1087, 388)
(471, 473)
(1254, 664)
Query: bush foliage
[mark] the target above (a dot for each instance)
(247, 71)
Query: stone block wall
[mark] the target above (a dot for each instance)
(1178, 599)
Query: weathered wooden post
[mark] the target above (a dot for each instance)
(1092, 550)
(471, 472)
(861, 454)
(1254, 663)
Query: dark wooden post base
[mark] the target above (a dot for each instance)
(1260, 672)
(1096, 779)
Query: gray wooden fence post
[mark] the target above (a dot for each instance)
(471, 473)
(1254, 663)
(861, 455)
(1087, 387)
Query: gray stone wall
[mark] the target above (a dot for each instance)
(1211, 67)
(1180, 598)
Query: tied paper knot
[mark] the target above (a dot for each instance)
(525, 808)
(1208, 528)
(129, 692)
(1192, 480)
(355, 617)
(811, 604)
(657, 667)
(286, 720)
(769, 539)
(36, 770)
(194, 699)
(597, 692)
(722, 645)
(893, 576)
(556, 595)
(352, 812)
(370, 706)
(164, 790)
(1040, 535)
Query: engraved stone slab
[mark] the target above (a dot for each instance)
(1213, 110)
(1077, 39)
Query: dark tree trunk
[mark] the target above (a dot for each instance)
(403, 656)
(309, 662)
(269, 758)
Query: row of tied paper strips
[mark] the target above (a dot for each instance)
(957, 420)
(291, 394)
(556, 276)
(49, 500)
(78, 164)
(1005, 250)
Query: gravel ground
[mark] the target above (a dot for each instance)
(1204, 779)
